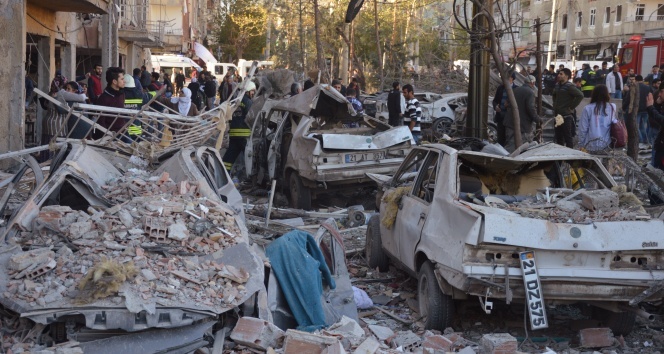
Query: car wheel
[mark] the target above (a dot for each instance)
(621, 323)
(374, 248)
(435, 307)
(442, 126)
(299, 193)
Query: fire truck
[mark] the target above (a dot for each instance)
(642, 52)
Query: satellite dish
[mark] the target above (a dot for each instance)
(353, 9)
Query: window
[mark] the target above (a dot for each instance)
(640, 11)
(660, 12)
(607, 15)
(563, 24)
(593, 12)
(618, 13)
(579, 19)
(426, 181)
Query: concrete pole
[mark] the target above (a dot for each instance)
(568, 37)
(109, 44)
(68, 59)
(553, 24)
(478, 81)
(12, 76)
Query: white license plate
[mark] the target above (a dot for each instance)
(369, 156)
(533, 288)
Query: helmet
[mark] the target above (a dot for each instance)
(129, 81)
(250, 86)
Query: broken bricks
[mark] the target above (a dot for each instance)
(596, 337)
(498, 343)
(256, 333)
(298, 342)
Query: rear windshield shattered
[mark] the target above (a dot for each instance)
(575, 191)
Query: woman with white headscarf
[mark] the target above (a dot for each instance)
(182, 104)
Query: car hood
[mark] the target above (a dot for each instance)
(319, 101)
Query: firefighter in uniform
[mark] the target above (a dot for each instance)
(588, 80)
(134, 99)
(239, 131)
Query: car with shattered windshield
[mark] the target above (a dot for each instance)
(315, 142)
(547, 226)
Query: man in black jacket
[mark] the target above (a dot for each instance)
(641, 114)
(394, 105)
(657, 117)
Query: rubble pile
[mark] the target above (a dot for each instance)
(580, 207)
(146, 247)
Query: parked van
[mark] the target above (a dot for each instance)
(169, 63)
(244, 65)
(219, 70)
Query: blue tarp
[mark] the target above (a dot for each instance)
(300, 269)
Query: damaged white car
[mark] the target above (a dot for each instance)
(315, 142)
(546, 227)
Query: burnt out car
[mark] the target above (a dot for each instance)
(548, 226)
(314, 142)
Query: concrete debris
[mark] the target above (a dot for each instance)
(407, 340)
(346, 327)
(562, 206)
(298, 342)
(381, 332)
(596, 337)
(498, 343)
(147, 220)
(369, 346)
(256, 333)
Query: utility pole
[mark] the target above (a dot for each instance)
(539, 134)
(568, 37)
(478, 80)
(553, 22)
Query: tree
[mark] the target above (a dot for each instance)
(240, 29)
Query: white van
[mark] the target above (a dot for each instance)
(219, 70)
(169, 63)
(245, 65)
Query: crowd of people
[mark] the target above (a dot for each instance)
(600, 85)
(129, 91)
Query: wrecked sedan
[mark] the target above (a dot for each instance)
(549, 226)
(315, 142)
(105, 253)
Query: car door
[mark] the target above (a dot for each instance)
(404, 177)
(414, 209)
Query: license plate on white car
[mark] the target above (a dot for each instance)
(368, 156)
(533, 288)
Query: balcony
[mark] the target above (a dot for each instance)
(133, 24)
(79, 6)
(639, 24)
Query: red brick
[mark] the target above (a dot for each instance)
(256, 333)
(596, 337)
(437, 344)
(498, 343)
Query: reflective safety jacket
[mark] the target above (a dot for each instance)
(135, 99)
(240, 129)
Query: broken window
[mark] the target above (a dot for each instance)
(425, 185)
(410, 167)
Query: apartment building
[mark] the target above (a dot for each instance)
(41, 37)
(592, 30)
